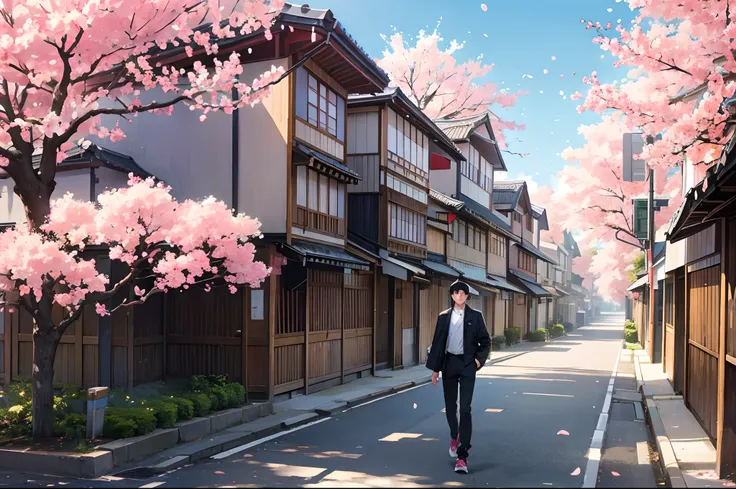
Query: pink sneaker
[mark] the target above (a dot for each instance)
(461, 466)
(453, 447)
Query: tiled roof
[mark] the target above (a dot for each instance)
(446, 200)
(506, 194)
(458, 129)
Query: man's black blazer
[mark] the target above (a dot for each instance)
(476, 340)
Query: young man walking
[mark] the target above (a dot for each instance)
(460, 348)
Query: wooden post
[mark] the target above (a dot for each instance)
(244, 321)
(104, 336)
(7, 327)
(129, 313)
(686, 336)
(271, 324)
(723, 305)
(342, 330)
(375, 314)
(307, 320)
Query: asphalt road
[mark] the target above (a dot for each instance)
(519, 406)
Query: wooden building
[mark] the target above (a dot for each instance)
(511, 199)
(390, 146)
(699, 344)
(478, 244)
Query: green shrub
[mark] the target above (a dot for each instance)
(165, 412)
(143, 418)
(629, 325)
(218, 397)
(498, 342)
(235, 394)
(538, 335)
(184, 408)
(513, 335)
(201, 402)
(119, 427)
(557, 330)
(73, 425)
(631, 336)
(203, 383)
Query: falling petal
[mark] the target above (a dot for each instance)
(575, 472)
(291, 28)
(574, 73)
(562, 93)
(562, 76)
(601, 56)
(415, 405)
(546, 71)
(250, 50)
(483, 7)
(554, 58)
(247, 455)
(563, 432)
(615, 474)
(219, 472)
(485, 34)
(530, 76)
(610, 10)
(541, 91)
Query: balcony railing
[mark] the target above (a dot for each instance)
(317, 221)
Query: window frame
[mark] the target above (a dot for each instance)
(323, 106)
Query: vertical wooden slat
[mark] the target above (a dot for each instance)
(307, 327)
(342, 330)
(272, 305)
(686, 336)
(721, 396)
(78, 354)
(245, 321)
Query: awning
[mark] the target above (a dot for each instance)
(644, 280)
(502, 283)
(532, 250)
(398, 268)
(323, 163)
(561, 292)
(552, 291)
(531, 287)
(441, 269)
(323, 254)
(485, 288)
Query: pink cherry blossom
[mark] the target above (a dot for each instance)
(441, 86)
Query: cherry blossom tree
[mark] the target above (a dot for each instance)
(65, 64)
(443, 88)
(593, 200)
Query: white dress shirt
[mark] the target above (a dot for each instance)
(455, 335)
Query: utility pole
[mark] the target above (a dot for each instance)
(650, 261)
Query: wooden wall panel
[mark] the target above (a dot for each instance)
(358, 351)
(288, 364)
(363, 215)
(367, 166)
(704, 307)
(436, 241)
(702, 387)
(319, 140)
(362, 137)
(382, 322)
(325, 359)
(701, 244)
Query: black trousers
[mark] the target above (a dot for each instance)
(457, 374)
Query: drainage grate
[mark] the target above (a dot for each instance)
(141, 473)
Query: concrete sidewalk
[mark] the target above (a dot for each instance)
(687, 455)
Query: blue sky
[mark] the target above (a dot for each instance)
(523, 35)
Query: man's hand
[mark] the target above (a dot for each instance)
(477, 364)
(435, 377)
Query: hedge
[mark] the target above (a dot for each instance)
(538, 335)
(513, 335)
(557, 330)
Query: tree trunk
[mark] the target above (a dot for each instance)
(44, 352)
(36, 198)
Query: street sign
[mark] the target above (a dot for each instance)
(641, 213)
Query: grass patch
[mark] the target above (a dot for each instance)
(634, 346)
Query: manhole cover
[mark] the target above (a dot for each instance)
(137, 473)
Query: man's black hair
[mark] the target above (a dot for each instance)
(458, 285)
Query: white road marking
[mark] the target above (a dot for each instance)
(241, 448)
(642, 453)
(151, 485)
(596, 443)
(386, 396)
(548, 395)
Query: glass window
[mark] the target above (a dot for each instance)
(333, 197)
(301, 186)
(313, 190)
(340, 200)
(324, 194)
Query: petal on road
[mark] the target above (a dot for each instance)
(575, 472)
(563, 433)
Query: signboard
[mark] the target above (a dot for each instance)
(641, 215)
(635, 169)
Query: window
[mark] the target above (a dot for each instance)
(498, 245)
(517, 216)
(469, 235)
(407, 225)
(405, 188)
(319, 193)
(322, 106)
(527, 262)
(478, 170)
(529, 223)
(407, 142)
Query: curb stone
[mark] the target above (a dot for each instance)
(667, 458)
